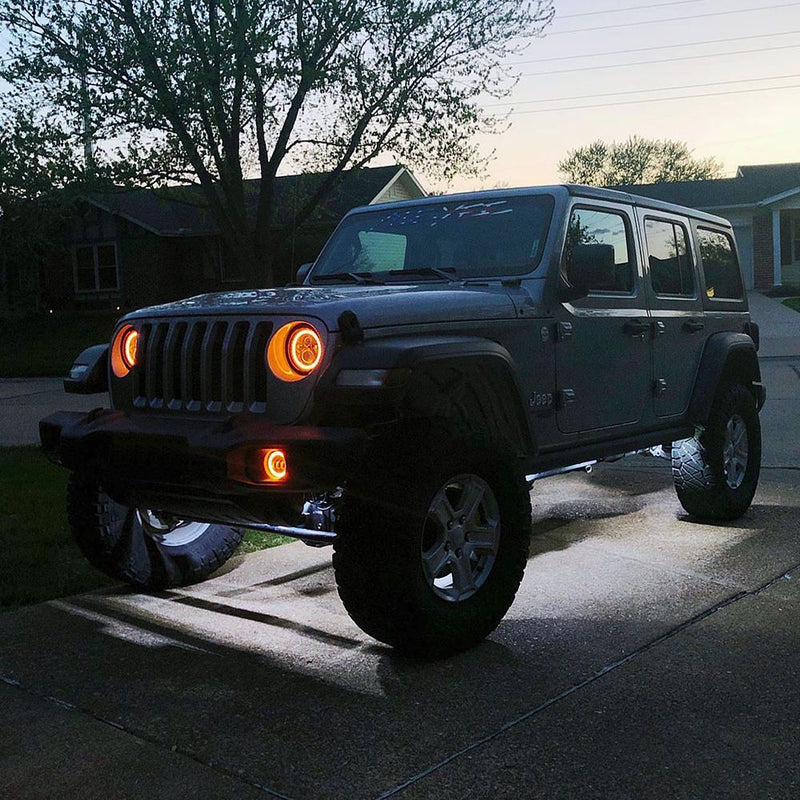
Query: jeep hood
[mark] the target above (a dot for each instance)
(375, 306)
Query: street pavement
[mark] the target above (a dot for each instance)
(646, 656)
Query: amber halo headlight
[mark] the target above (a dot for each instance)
(294, 351)
(124, 350)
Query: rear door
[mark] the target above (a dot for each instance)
(676, 309)
(603, 368)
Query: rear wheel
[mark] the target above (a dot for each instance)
(716, 473)
(143, 547)
(432, 546)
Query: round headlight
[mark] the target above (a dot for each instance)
(295, 351)
(124, 349)
(304, 349)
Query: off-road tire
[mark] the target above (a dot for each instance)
(699, 464)
(378, 554)
(114, 540)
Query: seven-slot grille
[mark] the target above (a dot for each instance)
(202, 365)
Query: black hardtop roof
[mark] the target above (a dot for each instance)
(563, 189)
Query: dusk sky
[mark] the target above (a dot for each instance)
(721, 75)
(731, 66)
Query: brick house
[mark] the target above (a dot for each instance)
(763, 205)
(145, 246)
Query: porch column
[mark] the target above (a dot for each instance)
(776, 247)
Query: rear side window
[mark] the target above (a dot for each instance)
(720, 266)
(597, 252)
(671, 272)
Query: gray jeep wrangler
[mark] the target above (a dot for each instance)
(438, 358)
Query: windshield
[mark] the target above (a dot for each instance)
(442, 241)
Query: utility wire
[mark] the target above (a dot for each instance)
(673, 19)
(620, 10)
(656, 89)
(657, 99)
(654, 47)
(599, 67)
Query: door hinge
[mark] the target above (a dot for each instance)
(564, 331)
(566, 397)
(659, 387)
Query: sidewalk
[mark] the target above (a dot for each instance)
(24, 401)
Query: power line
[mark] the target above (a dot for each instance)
(656, 89)
(673, 19)
(658, 61)
(654, 47)
(657, 99)
(620, 10)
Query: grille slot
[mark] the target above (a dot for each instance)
(202, 365)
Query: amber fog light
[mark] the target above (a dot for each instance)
(294, 351)
(273, 464)
(124, 350)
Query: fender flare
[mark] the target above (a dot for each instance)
(474, 366)
(727, 356)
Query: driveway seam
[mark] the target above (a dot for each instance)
(699, 617)
(142, 737)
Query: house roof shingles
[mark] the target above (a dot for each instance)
(183, 210)
(752, 185)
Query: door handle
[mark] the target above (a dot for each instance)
(636, 327)
(692, 326)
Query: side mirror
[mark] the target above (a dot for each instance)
(589, 267)
(569, 292)
(302, 273)
(89, 373)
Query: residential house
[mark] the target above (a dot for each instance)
(762, 203)
(135, 248)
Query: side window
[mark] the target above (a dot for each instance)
(720, 267)
(597, 254)
(671, 272)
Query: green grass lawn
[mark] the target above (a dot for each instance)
(792, 302)
(46, 345)
(38, 559)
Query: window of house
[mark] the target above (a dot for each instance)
(671, 272)
(795, 239)
(96, 268)
(597, 251)
(720, 266)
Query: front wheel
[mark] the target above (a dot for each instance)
(145, 548)
(716, 472)
(432, 549)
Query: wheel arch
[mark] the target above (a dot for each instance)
(477, 390)
(727, 358)
(469, 380)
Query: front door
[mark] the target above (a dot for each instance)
(603, 369)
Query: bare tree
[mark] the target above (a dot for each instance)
(216, 90)
(634, 161)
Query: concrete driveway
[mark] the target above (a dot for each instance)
(646, 656)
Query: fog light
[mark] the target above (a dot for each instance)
(273, 463)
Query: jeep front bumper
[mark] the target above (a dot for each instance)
(198, 468)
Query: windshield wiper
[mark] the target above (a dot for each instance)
(448, 273)
(346, 277)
